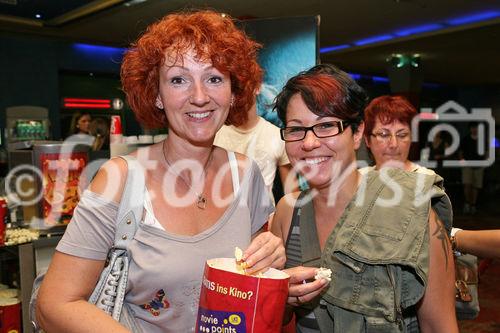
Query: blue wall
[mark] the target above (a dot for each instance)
(285, 53)
(29, 71)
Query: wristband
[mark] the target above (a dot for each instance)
(454, 242)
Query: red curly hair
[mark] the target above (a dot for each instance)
(213, 37)
(388, 109)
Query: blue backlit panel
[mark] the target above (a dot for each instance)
(374, 39)
(463, 20)
(474, 18)
(418, 29)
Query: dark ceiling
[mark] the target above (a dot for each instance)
(467, 53)
(46, 10)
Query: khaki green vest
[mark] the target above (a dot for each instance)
(378, 252)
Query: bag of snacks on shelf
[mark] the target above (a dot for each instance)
(10, 311)
(233, 302)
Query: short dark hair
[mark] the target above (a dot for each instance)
(327, 91)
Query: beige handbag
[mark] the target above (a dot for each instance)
(466, 282)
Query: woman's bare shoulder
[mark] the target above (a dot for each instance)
(283, 215)
(110, 179)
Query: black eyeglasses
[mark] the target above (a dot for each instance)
(321, 130)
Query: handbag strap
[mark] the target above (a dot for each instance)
(131, 205)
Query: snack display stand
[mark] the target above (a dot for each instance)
(54, 182)
(53, 174)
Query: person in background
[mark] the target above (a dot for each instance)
(363, 241)
(472, 177)
(388, 136)
(191, 72)
(260, 140)
(99, 128)
(481, 243)
(437, 151)
(80, 123)
(388, 133)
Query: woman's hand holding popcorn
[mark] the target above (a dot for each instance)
(300, 289)
(266, 250)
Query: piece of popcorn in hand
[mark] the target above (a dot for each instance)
(240, 264)
(238, 254)
(324, 273)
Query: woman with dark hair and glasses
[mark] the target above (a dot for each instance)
(387, 249)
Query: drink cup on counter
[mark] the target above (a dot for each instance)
(10, 311)
(10, 315)
(115, 132)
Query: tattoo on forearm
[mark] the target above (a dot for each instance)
(441, 234)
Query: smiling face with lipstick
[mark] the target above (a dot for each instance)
(190, 72)
(196, 97)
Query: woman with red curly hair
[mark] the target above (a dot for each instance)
(191, 72)
(388, 131)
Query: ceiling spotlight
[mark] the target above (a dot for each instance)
(133, 2)
(415, 60)
(38, 16)
(396, 60)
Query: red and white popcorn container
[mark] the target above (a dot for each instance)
(235, 303)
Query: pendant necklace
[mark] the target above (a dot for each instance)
(201, 200)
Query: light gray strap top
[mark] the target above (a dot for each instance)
(233, 163)
(131, 204)
(150, 218)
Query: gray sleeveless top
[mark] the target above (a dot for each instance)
(166, 269)
(305, 318)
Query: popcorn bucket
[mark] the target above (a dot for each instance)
(10, 315)
(234, 303)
